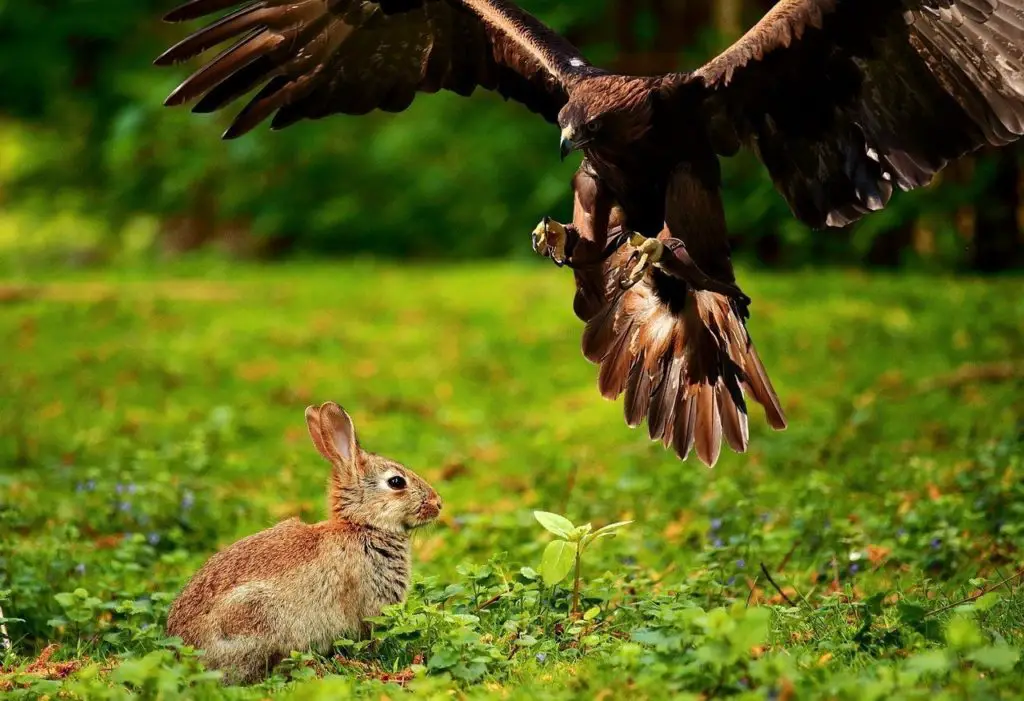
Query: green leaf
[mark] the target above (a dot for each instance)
(591, 613)
(930, 663)
(442, 659)
(529, 573)
(963, 634)
(998, 658)
(66, 599)
(579, 532)
(987, 601)
(752, 629)
(559, 525)
(610, 528)
(557, 561)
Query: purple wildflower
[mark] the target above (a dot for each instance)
(187, 500)
(132, 488)
(80, 568)
(119, 488)
(541, 657)
(741, 563)
(854, 568)
(716, 523)
(731, 580)
(125, 506)
(717, 542)
(153, 538)
(936, 543)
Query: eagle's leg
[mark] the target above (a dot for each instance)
(670, 255)
(554, 240)
(648, 253)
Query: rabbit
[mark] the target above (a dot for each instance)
(297, 586)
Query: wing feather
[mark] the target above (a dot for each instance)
(314, 58)
(842, 99)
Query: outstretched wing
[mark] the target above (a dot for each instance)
(842, 99)
(314, 58)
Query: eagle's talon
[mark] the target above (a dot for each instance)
(549, 239)
(648, 253)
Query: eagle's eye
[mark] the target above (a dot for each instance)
(594, 125)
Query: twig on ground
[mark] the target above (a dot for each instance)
(492, 600)
(764, 570)
(785, 560)
(1016, 575)
(753, 586)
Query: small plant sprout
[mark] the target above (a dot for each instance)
(560, 556)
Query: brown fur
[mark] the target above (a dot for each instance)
(300, 586)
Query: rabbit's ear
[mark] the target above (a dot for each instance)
(313, 424)
(338, 434)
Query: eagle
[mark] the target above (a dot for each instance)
(842, 101)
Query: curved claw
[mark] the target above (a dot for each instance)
(647, 253)
(549, 239)
(634, 270)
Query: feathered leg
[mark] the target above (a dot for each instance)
(670, 254)
(674, 340)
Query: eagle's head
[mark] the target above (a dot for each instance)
(605, 113)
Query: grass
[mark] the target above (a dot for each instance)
(151, 416)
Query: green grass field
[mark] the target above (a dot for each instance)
(149, 417)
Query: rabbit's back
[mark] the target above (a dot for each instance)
(289, 572)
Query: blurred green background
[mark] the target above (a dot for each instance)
(170, 302)
(91, 163)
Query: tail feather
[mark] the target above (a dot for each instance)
(709, 424)
(615, 366)
(734, 419)
(638, 392)
(685, 427)
(663, 401)
(684, 360)
(761, 388)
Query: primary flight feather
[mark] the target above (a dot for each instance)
(841, 100)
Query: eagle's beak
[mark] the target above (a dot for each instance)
(567, 145)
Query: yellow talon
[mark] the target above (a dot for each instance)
(549, 238)
(649, 252)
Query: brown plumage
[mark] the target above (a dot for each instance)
(300, 586)
(842, 100)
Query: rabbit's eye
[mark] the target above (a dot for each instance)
(397, 482)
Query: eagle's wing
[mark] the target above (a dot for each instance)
(314, 58)
(842, 99)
